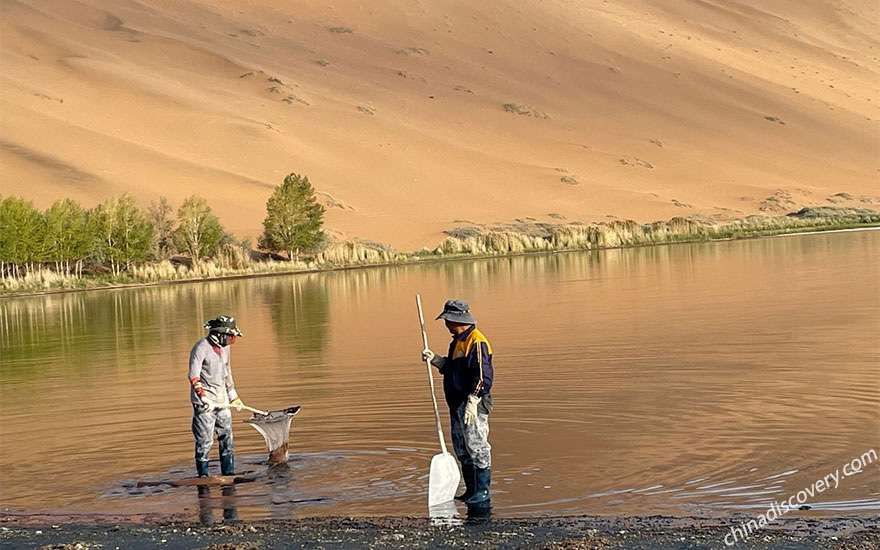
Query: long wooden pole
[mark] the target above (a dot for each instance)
(431, 377)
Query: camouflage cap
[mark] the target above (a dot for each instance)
(224, 325)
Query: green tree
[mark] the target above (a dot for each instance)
(123, 233)
(159, 215)
(67, 235)
(293, 218)
(21, 236)
(199, 232)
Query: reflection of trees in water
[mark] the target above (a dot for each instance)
(117, 329)
(60, 334)
(358, 287)
(515, 271)
(529, 269)
(300, 308)
(78, 331)
(66, 331)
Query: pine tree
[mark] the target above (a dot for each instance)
(199, 233)
(294, 219)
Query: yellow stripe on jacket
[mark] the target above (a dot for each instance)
(464, 347)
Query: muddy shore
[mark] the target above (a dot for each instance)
(556, 533)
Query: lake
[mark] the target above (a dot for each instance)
(689, 379)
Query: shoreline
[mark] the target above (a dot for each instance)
(522, 239)
(556, 533)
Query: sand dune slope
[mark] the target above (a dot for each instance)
(411, 117)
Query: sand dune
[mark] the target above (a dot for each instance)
(410, 115)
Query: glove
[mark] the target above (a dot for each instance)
(470, 410)
(207, 405)
(434, 359)
(237, 402)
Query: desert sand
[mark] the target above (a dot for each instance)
(411, 117)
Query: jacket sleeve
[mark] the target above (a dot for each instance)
(478, 361)
(196, 357)
(448, 360)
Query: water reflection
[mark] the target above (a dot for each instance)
(209, 503)
(673, 379)
(300, 309)
(128, 325)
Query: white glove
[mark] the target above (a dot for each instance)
(207, 404)
(237, 403)
(470, 410)
(434, 359)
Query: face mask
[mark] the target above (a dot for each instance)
(221, 339)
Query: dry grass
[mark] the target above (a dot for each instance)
(525, 235)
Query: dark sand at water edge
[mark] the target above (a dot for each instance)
(556, 533)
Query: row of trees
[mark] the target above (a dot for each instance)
(116, 234)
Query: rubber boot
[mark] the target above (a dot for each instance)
(202, 468)
(467, 472)
(482, 478)
(227, 464)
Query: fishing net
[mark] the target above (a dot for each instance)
(275, 428)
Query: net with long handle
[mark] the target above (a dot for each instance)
(275, 428)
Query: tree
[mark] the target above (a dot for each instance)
(123, 233)
(199, 232)
(293, 218)
(159, 215)
(67, 237)
(21, 235)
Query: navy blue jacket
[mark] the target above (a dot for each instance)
(468, 367)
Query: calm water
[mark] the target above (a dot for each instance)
(686, 379)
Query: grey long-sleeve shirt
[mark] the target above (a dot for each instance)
(213, 371)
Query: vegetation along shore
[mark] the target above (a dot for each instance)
(67, 247)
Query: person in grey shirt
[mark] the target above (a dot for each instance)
(210, 377)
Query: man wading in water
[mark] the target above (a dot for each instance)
(467, 379)
(211, 378)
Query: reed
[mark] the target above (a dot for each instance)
(516, 238)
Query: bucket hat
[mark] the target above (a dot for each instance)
(224, 325)
(457, 311)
